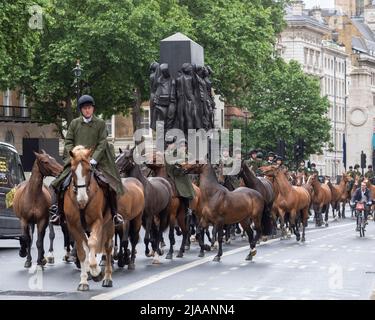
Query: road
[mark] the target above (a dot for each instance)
(333, 263)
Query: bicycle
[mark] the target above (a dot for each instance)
(361, 221)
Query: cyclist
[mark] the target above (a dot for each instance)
(363, 195)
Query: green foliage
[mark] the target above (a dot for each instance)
(286, 104)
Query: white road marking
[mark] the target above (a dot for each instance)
(191, 289)
(302, 267)
(233, 268)
(177, 296)
(224, 272)
(168, 273)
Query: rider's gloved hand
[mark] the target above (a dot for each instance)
(93, 163)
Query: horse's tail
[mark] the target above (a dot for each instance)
(267, 224)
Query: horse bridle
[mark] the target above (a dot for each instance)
(79, 186)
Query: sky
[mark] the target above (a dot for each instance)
(321, 3)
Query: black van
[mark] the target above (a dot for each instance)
(11, 174)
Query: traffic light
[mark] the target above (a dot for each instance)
(301, 143)
(363, 160)
(297, 152)
(281, 148)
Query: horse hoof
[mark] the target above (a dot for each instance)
(99, 277)
(131, 266)
(155, 261)
(169, 256)
(303, 239)
(107, 283)
(83, 287)
(51, 260)
(22, 253)
(161, 252)
(264, 239)
(115, 256)
(201, 254)
(217, 259)
(249, 257)
(27, 264)
(298, 238)
(187, 248)
(162, 244)
(180, 255)
(326, 224)
(207, 247)
(120, 263)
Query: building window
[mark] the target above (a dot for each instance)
(108, 124)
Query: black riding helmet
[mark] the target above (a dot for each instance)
(85, 99)
(356, 166)
(260, 155)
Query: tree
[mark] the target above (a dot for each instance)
(115, 41)
(238, 37)
(286, 104)
(18, 41)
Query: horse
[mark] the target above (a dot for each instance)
(130, 205)
(292, 201)
(321, 200)
(87, 211)
(260, 184)
(300, 178)
(158, 195)
(339, 194)
(31, 202)
(177, 211)
(221, 207)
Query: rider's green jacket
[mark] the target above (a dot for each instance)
(369, 174)
(91, 135)
(182, 181)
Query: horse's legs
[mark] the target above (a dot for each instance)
(115, 250)
(304, 218)
(172, 241)
(343, 209)
(282, 225)
(96, 233)
(214, 236)
(108, 246)
(293, 225)
(51, 258)
(135, 227)
(30, 235)
(326, 214)
(220, 229)
(83, 252)
(41, 228)
(146, 239)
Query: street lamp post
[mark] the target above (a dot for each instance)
(246, 112)
(77, 74)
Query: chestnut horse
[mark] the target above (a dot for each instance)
(87, 211)
(221, 207)
(339, 195)
(291, 202)
(321, 200)
(130, 205)
(31, 203)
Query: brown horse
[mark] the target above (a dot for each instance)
(87, 211)
(130, 205)
(222, 207)
(339, 195)
(176, 211)
(31, 202)
(321, 200)
(158, 194)
(291, 201)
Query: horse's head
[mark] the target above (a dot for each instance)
(346, 178)
(81, 174)
(48, 166)
(269, 171)
(193, 168)
(125, 161)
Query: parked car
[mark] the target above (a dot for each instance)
(11, 174)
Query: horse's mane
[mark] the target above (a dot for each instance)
(80, 152)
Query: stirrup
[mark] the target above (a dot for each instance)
(55, 219)
(118, 219)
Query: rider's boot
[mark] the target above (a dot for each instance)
(117, 218)
(56, 207)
